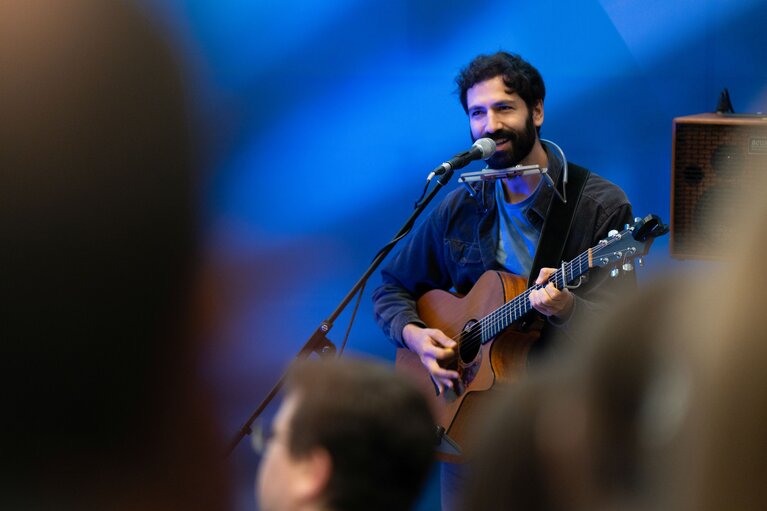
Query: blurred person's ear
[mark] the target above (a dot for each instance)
(313, 475)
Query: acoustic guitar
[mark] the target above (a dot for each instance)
(485, 323)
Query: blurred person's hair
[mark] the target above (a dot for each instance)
(375, 425)
(584, 431)
(721, 462)
(99, 260)
(674, 382)
(634, 378)
(507, 470)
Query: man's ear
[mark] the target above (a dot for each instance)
(313, 475)
(538, 114)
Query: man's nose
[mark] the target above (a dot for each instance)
(493, 123)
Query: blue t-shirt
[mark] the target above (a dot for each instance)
(518, 238)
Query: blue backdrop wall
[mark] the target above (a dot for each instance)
(320, 120)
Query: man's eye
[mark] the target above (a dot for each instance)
(476, 113)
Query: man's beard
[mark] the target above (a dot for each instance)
(521, 145)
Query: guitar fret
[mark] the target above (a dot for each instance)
(497, 321)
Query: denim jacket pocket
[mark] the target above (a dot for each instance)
(463, 253)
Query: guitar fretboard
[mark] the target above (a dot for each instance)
(501, 318)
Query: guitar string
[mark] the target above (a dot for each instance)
(519, 304)
(508, 312)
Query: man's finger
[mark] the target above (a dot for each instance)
(438, 352)
(541, 301)
(441, 383)
(544, 275)
(445, 374)
(441, 339)
(437, 385)
(437, 370)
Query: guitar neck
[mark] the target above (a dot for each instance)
(501, 318)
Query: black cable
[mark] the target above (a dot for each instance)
(351, 320)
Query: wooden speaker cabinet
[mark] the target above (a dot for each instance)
(716, 159)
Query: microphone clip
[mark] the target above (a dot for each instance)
(488, 174)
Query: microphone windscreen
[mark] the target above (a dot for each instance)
(487, 146)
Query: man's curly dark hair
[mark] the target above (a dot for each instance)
(518, 75)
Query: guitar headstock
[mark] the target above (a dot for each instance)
(619, 249)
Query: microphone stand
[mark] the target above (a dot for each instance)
(319, 342)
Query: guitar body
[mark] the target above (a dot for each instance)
(480, 366)
(485, 323)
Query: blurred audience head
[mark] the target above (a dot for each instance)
(632, 386)
(99, 262)
(664, 408)
(507, 470)
(721, 459)
(349, 435)
(583, 432)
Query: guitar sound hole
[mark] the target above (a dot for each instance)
(470, 343)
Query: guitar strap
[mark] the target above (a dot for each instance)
(558, 222)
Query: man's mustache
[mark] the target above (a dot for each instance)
(502, 134)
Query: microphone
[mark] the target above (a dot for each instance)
(481, 149)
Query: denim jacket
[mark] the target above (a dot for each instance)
(457, 243)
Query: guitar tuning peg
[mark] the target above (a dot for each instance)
(626, 227)
(614, 272)
(637, 219)
(627, 266)
(612, 233)
(640, 260)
